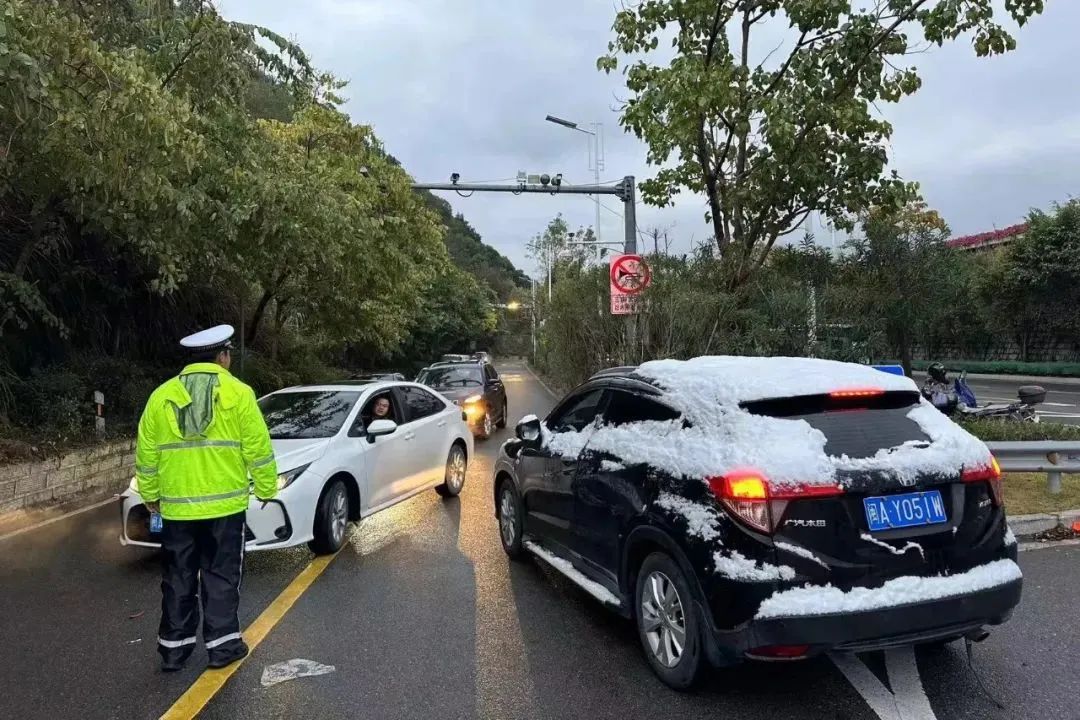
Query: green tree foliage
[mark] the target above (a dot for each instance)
(1034, 286)
(470, 253)
(162, 169)
(769, 136)
(895, 274)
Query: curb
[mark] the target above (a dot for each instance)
(1027, 525)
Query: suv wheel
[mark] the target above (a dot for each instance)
(667, 621)
(502, 418)
(487, 427)
(454, 477)
(509, 512)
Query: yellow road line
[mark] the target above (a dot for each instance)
(210, 682)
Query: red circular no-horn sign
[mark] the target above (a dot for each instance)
(630, 274)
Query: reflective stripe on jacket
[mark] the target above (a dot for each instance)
(195, 454)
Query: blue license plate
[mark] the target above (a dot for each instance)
(906, 510)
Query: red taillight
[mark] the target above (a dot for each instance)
(989, 474)
(751, 498)
(857, 393)
(779, 652)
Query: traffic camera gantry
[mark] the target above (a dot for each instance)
(624, 190)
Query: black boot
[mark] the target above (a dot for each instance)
(226, 658)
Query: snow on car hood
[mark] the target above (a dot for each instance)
(723, 437)
(289, 454)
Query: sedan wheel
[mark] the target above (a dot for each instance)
(454, 477)
(331, 519)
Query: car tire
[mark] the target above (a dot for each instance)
(509, 513)
(502, 418)
(665, 611)
(487, 427)
(331, 519)
(454, 476)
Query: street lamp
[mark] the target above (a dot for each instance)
(596, 154)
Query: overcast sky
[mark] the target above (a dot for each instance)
(464, 87)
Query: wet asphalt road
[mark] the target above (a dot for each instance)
(424, 617)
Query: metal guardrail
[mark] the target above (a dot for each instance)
(1052, 457)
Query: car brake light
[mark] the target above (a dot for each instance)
(749, 496)
(989, 474)
(857, 393)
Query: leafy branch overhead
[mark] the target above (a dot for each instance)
(770, 108)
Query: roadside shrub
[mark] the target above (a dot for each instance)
(1002, 430)
(1007, 367)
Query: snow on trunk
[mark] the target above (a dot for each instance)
(827, 600)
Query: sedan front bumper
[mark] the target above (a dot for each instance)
(266, 528)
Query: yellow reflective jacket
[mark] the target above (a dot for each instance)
(200, 437)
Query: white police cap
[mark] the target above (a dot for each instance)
(214, 338)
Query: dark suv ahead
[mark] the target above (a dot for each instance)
(476, 387)
(905, 544)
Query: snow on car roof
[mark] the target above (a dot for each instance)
(732, 379)
(721, 437)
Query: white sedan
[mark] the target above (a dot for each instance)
(337, 464)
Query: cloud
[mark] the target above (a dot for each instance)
(465, 86)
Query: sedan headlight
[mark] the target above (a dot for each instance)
(286, 479)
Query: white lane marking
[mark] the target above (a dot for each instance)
(876, 695)
(906, 701)
(542, 383)
(911, 700)
(50, 521)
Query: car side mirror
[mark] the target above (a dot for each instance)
(528, 429)
(378, 428)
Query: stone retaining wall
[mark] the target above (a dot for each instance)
(98, 471)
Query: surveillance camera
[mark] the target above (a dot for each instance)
(557, 180)
(454, 177)
(545, 179)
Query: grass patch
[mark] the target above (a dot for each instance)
(1026, 494)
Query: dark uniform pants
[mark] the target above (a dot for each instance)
(204, 557)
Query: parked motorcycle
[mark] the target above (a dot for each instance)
(959, 399)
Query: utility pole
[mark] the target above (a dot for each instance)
(532, 314)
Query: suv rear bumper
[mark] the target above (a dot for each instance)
(940, 619)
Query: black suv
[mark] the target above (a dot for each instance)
(473, 385)
(900, 546)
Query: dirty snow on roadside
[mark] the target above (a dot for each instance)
(700, 519)
(739, 567)
(723, 437)
(826, 599)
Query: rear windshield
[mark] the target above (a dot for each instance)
(857, 428)
(452, 376)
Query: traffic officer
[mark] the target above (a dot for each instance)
(200, 437)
